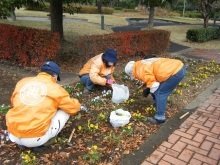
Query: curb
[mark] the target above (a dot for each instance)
(149, 146)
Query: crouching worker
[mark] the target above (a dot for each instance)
(98, 70)
(161, 76)
(40, 108)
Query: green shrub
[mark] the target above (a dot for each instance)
(73, 9)
(203, 34)
(131, 10)
(88, 9)
(118, 8)
(192, 14)
(36, 6)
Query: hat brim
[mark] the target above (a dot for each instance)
(113, 60)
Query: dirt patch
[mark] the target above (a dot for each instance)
(93, 128)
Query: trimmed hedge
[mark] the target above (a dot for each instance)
(27, 46)
(73, 9)
(203, 34)
(127, 44)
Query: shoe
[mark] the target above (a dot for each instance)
(155, 121)
(49, 142)
(22, 147)
(39, 148)
(86, 91)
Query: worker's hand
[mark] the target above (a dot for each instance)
(110, 81)
(83, 108)
(146, 92)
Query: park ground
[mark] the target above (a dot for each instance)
(59, 153)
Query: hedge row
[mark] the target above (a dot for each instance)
(203, 34)
(26, 46)
(73, 9)
(127, 44)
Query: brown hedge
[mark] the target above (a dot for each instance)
(27, 46)
(127, 44)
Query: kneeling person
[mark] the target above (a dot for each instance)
(40, 108)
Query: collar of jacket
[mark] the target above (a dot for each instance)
(44, 75)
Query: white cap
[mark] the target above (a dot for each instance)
(128, 68)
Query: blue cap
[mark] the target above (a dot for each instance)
(51, 66)
(110, 56)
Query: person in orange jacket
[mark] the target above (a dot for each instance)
(98, 70)
(161, 76)
(40, 108)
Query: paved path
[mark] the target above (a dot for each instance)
(194, 139)
(197, 141)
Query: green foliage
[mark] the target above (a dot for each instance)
(28, 158)
(192, 14)
(93, 155)
(4, 108)
(128, 4)
(7, 6)
(127, 130)
(154, 3)
(203, 34)
(131, 10)
(76, 8)
(118, 8)
(69, 89)
(112, 138)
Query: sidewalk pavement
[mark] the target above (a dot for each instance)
(194, 139)
(197, 141)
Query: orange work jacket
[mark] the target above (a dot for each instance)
(97, 70)
(35, 101)
(155, 69)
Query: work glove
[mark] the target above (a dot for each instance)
(83, 108)
(110, 82)
(146, 92)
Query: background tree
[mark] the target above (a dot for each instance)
(56, 10)
(205, 7)
(152, 4)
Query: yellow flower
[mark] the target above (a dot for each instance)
(79, 128)
(95, 147)
(91, 125)
(96, 127)
(27, 158)
(129, 127)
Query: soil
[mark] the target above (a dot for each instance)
(112, 142)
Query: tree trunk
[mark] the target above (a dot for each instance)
(184, 8)
(12, 14)
(151, 17)
(56, 14)
(206, 21)
(100, 7)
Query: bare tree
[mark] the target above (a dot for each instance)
(205, 7)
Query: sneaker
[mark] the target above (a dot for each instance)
(86, 91)
(155, 121)
(22, 147)
(49, 142)
(39, 148)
